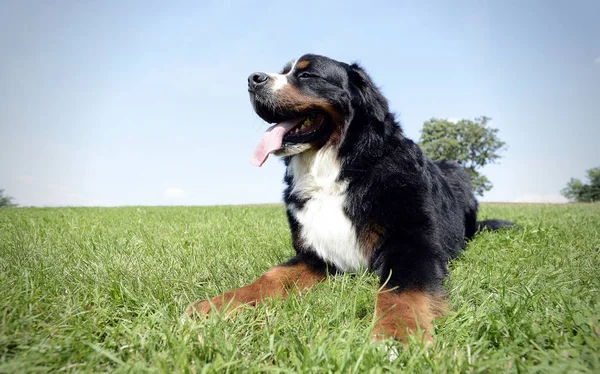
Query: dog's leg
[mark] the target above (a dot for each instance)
(400, 313)
(411, 294)
(277, 282)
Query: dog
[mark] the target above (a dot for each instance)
(359, 194)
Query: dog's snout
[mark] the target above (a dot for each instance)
(257, 79)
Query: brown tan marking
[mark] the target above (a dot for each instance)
(303, 64)
(277, 282)
(291, 99)
(400, 314)
(370, 237)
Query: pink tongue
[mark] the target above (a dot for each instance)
(271, 141)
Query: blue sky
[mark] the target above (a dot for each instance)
(145, 103)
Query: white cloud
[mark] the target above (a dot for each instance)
(549, 199)
(173, 193)
(452, 120)
(597, 60)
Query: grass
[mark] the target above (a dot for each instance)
(102, 289)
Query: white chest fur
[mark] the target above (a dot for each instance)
(324, 226)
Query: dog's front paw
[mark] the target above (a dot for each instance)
(197, 309)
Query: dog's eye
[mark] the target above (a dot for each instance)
(305, 74)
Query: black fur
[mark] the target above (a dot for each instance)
(493, 224)
(423, 211)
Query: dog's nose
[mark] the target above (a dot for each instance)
(257, 79)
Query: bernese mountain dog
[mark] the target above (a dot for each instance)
(359, 195)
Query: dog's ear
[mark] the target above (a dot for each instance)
(366, 91)
(364, 136)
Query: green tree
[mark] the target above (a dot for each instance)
(576, 190)
(472, 143)
(6, 201)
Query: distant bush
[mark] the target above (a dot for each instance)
(584, 193)
(6, 201)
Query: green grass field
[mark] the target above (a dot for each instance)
(102, 289)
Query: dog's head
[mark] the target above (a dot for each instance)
(312, 103)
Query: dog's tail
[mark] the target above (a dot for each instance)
(493, 224)
(473, 226)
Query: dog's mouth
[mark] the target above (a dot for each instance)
(280, 138)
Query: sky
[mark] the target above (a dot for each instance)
(145, 102)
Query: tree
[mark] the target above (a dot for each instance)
(473, 144)
(584, 193)
(5, 201)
